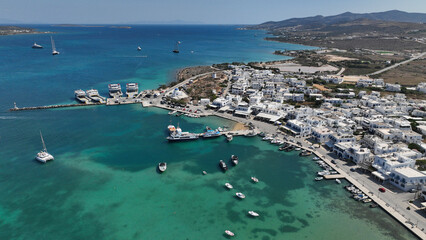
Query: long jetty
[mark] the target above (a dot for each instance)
(55, 106)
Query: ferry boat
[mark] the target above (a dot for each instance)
(94, 95)
(54, 52)
(234, 160)
(162, 166)
(176, 50)
(229, 186)
(80, 95)
(222, 165)
(178, 135)
(229, 233)
(115, 90)
(37, 46)
(43, 156)
(131, 89)
(253, 214)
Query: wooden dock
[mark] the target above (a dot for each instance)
(55, 106)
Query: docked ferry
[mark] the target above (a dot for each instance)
(178, 135)
(131, 89)
(115, 90)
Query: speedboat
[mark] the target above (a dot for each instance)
(43, 156)
(222, 165)
(298, 149)
(254, 179)
(139, 48)
(35, 45)
(229, 186)
(253, 213)
(229, 233)
(315, 158)
(162, 166)
(240, 195)
(319, 178)
(204, 173)
(234, 160)
(338, 181)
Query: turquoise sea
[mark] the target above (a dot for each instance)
(103, 183)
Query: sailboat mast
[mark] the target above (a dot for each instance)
(42, 140)
(53, 44)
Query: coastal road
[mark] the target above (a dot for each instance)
(398, 64)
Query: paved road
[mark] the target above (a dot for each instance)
(397, 64)
(341, 71)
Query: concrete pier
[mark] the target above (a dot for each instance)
(55, 106)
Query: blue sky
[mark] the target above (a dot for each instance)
(187, 11)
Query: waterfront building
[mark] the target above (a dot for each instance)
(407, 178)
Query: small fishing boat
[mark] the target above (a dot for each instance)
(229, 233)
(162, 166)
(139, 48)
(253, 213)
(319, 178)
(222, 165)
(240, 195)
(338, 181)
(366, 200)
(315, 158)
(298, 149)
(234, 160)
(229, 186)
(204, 173)
(254, 179)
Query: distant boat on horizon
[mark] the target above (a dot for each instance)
(36, 46)
(54, 52)
(176, 50)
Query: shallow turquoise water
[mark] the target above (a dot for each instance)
(103, 183)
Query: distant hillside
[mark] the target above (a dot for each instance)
(321, 21)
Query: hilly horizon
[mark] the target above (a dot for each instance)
(319, 20)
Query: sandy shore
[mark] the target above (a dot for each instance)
(239, 126)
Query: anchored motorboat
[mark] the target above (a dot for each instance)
(162, 166)
(234, 160)
(240, 195)
(222, 165)
(253, 213)
(254, 179)
(229, 186)
(229, 233)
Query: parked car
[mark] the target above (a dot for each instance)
(382, 189)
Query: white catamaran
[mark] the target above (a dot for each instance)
(43, 156)
(54, 52)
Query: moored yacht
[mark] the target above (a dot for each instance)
(115, 90)
(43, 156)
(37, 46)
(234, 160)
(222, 165)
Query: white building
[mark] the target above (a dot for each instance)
(407, 178)
(393, 87)
(298, 128)
(321, 134)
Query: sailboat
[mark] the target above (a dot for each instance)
(54, 52)
(176, 50)
(43, 156)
